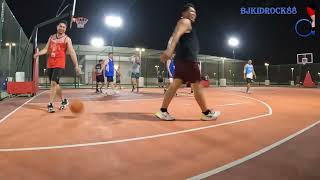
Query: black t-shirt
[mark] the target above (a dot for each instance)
(99, 70)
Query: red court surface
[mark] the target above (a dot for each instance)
(118, 137)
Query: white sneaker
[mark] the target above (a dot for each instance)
(213, 115)
(164, 116)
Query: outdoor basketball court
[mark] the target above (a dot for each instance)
(119, 137)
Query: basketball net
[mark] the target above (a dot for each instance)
(80, 21)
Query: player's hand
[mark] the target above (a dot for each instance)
(36, 55)
(255, 77)
(77, 69)
(165, 56)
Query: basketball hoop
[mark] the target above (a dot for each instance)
(80, 21)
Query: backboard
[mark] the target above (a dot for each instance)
(305, 58)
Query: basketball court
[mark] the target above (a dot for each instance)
(271, 133)
(119, 137)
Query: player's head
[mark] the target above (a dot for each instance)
(250, 62)
(101, 61)
(110, 55)
(188, 11)
(62, 27)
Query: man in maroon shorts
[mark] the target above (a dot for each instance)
(185, 42)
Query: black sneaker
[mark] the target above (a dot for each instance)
(50, 108)
(64, 104)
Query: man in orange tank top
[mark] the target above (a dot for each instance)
(57, 47)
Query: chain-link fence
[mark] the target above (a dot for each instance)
(213, 68)
(14, 57)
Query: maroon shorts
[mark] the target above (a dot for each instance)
(187, 71)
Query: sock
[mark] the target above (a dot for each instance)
(164, 110)
(206, 112)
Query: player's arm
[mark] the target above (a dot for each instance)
(73, 55)
(183, 26)
(168, 67)
(43, 51)
(244, 71)
(138, 60)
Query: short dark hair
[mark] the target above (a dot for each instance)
(101, 60)
(63, 22)
(186, 7)
(110, 53)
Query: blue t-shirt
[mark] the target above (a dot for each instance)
(109, 68)
(249, 71)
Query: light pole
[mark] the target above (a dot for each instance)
(140, 50)
(292, 81)
(10, 45)
(113, 22)
(223, 80)
(267, 81)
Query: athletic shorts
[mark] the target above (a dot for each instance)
(187, 71)
(249, 80)
(135, 75)
(109, 79)
(100, 78)
(54, 74)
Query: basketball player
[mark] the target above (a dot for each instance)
(170, 69)
(57, 47)
(98, 70)
(249, 74)
(185, 43)
(135, 72)
(109, 71)
(118, 77)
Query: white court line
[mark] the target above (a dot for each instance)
(3, 119)
(233, 104)
(253, 155)
(141, 138)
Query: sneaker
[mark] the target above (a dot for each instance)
(164, 116)
(213, 115)
(97, 91)
(64, 104)
(50, 108)
(133, 89)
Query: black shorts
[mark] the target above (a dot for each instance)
(100, 78)
(54, 74)
(249, 80)
(109, 79)
(187, 71)
(160, 80)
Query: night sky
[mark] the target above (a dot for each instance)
(149, 23)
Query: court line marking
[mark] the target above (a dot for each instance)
(143, 137)
(251, 156)
(8, 115)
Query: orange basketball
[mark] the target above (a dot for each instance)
(76, 106)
